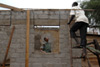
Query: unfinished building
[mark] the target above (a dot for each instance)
(31, 27)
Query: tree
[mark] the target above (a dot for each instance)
(94, 16)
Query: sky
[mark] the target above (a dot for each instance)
(40, 4)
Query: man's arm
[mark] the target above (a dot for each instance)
(72, 17)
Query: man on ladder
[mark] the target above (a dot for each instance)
(81, 24)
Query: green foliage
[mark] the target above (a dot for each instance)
(94, 16)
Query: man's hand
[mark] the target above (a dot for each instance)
(72, 17)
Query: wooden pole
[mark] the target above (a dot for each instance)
(10, 7)
(8, 46)
(27, 39)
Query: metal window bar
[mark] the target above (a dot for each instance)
(59, 16)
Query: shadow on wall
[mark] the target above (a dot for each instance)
(37, 42)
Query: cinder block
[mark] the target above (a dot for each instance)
(77, 63)
(54, 60)
(77, 52)
(20, 60)
(60, 55)
(54, 16)
(45, 12)
(48, 65)
(36, 55)
(22, 64)
(11, 50)
(51, 12)
(62, 12)
(64, 16)
(57, 65)
(15, 65)
(38, 12)
(20, 31)
(37, 65)
(16, 55)
(57, 12)
(22, 55)
(43, 16)
(12, 60)
(4, 12)
(2, 57)
(15, 46)
(65, 65)
(65, 60)
(35, 16)
(20, 50)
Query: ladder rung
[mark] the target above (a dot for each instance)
(76, 47)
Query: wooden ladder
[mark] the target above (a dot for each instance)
(71, 53)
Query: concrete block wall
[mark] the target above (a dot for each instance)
(38, 17)
(17, 49)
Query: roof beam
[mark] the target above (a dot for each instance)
(10, 7)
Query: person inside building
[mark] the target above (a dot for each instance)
(81, 24)
(47, 46)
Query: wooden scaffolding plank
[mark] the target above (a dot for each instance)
(27, 39)
(10, 7)
(8, 46)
